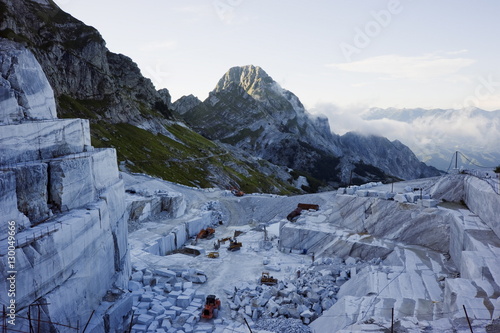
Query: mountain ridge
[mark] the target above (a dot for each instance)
(248, 109)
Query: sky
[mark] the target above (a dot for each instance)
(333, 54)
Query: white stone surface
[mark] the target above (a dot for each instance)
(71, 183)
(32, 190)
(104, 168)
(482, 200)
(8, 206)
(411, 277)
(25, 92)
(32, 141)
(74, 258)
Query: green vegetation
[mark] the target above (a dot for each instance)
(10, 34)
(194, 162)
(185, 157)
(497, 169)
(370, 172)
(77, 108)
(243, 134)
(156, 155)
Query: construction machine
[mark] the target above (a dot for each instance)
(237, 193)
(207, 233)
(223, 240)
(267, 279)
(293, 216)
(213, 255)
(234, 245)
(212, 307)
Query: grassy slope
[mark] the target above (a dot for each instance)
(189, 159)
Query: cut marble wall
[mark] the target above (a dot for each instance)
(67, 200)
(33, 141)
(483, 201)
(8, 205)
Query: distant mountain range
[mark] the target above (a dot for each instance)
(249, 110)
(435, 135)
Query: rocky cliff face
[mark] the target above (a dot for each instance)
(248, 109)
(390, 156)
(65, 201)
(80, 67)
(185, 103)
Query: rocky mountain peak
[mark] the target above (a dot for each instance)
(251, 78)
(185, 103)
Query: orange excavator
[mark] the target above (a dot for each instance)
(207, 233)
(237, 193)
(212, 307)
(294, 215)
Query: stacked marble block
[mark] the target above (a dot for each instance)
(167, 301)
(409, 196)
(66, 199)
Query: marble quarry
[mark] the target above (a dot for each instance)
(435, 260)
(67, 202)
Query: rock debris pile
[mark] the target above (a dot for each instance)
(166, 301)
(303, 296)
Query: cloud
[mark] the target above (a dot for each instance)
(457, 52)
(396, 67)
(457, 129)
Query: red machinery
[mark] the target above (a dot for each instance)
(212, 307)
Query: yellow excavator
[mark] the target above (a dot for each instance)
(267, 279)
(234, 245)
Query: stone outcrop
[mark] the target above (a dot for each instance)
(80, 67)
(67, 202)
(24, 90)
(185, 104)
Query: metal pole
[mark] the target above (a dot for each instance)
(468, 321)
(456, 160)
(392, 320)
